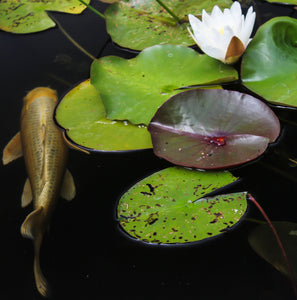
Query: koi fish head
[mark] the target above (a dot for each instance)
(40, 92)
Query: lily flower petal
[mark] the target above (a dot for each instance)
(217, 30)
(235, 9)
(248, 26)
(217, 13)
(206, 19)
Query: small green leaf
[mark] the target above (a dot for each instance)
(26, 16)
(169, 206)
(133, 89)
(294, 2)
(82, 115)
(144, 23)
(270, 62)
(264, 243)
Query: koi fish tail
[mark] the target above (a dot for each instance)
(33, 228)
(41, 282)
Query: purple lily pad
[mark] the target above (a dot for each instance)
(210, 129)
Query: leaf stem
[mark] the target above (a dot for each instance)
(76, 44)
(92, 9)
(251, 198)
(172, 14)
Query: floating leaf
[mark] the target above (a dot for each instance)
(210, 129)
(110, 1)
(143, 23)
(169, 206)
(263, 241)
(294, 2)
(133, 89)
(269, 66)
(26, 16)
(82, 115)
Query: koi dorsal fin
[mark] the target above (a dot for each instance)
(68, 187)
(27, 194)
(13, 149)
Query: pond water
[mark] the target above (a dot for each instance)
(85, 254)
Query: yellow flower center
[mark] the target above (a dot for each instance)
(221, 30)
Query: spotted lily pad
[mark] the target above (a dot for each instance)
(26, 16)
(143, 23)
(211, 129)
(263, 241)
(82, 115)
(172, 206)
(133, 89)
(269, 65)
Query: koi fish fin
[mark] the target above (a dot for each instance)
(68, 187)
(33, 228)
(40, 281)
(13, 149)
(32, 223)
(27, 194)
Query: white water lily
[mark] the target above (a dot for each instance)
(223, 35)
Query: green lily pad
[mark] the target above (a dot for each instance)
(171, 206)
(26, 16)
(264, 243)
(133, 89)
(269, 65)
(294, 2)
(82, 115)
(109, 1)
(144, 23)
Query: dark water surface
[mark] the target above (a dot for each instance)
(85, 255)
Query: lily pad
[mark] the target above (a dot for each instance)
(133, 89)
(263, 242)
(82, 115)
(109, 1)
(269, 65)
(290, 2)
(26, 16)
(211, 129)
(143, 23)
(172, 206)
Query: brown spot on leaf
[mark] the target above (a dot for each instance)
(153, 217)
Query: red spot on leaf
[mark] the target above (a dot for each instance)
(219, 141)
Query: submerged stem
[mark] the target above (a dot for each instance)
(172, 14)
(255, 221)
(92, 9)
(279, 171)
(71, 39)
(250, 197)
